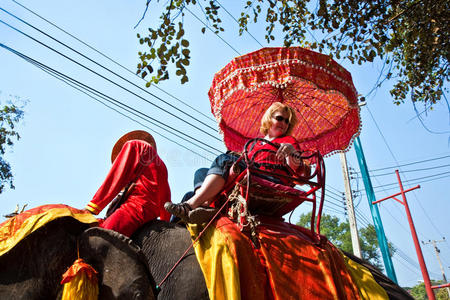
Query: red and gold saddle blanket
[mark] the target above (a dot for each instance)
(14, 229)
(287, 265)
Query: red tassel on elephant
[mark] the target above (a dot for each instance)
(80, 282)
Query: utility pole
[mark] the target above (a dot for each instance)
(423, 267)
(377, 223)
(436, 249)
(350, 209)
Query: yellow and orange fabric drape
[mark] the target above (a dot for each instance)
(14, 229)
(287, 265)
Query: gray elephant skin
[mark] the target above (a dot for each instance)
(163, 244)
(33, 268)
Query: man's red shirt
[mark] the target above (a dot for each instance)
(137, 162)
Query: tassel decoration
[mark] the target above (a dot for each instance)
(80, 282)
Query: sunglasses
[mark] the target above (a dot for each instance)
(280, 119)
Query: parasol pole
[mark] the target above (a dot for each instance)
(389, 266)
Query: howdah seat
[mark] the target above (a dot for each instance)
(253, 192)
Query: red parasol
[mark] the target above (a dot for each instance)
(319, 89)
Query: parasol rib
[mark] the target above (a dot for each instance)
(322, 100)
(287, 91)
(255, 120)
(314, 110)
(263, 93)
(306, 123)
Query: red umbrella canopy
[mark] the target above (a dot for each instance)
(318, 88)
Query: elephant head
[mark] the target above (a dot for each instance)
(122, 268)
(163, 244)
(33, 268)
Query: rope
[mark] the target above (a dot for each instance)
(78, 248)
(239, 206)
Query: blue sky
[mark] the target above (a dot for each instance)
(67, 137)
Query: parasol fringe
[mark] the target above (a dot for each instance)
(350, 143)
(80, 282)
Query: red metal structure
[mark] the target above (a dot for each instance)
(423, 267)
(440, 286)
(265, 198)
(271, 199)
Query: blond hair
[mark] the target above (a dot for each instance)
(266, 120)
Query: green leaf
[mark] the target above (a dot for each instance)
(185, 52)
(185, 43)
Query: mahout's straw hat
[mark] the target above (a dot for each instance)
(132, 135)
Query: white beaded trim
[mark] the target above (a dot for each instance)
(282, 62)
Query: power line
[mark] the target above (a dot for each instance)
(396, 161)
(195, 139)
(408, 164)
(103, 67)
(398, 252)
(398, 209)
(355, 191)
(110, 59)
(413, 179)
(338, 194)
(119, 104)
(406, 266)
(206, 26)
(409, 171)
(405, 257)
(329, 197)
(333, 196)
(362, 217)
(117, 111)
(223, 7)
(422, 181)
(336, 205)
(332, 210)
(329, 186)
(162, 126)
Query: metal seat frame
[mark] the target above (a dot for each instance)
(315, 181)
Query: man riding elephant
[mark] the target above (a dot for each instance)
(139, 170)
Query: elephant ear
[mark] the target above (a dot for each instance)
(122, 269)
(32, 269)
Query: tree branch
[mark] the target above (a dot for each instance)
(143, 15)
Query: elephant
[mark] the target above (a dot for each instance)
(127, 269)
(33, 268)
